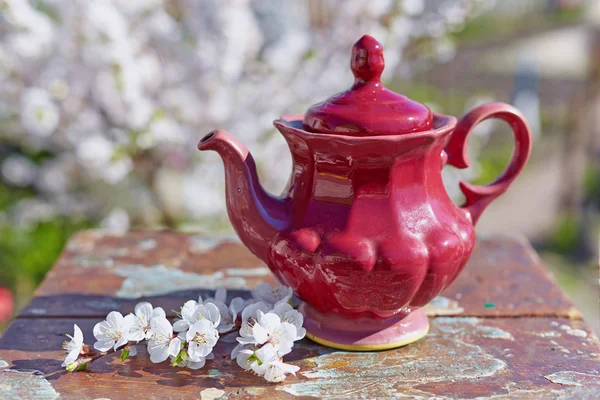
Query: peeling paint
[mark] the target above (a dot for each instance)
(548, 334)
(513, 392)
(216, 374)
(577, 332)
(256, 391)
(103, 304)
(386, 373)
(92, 261)
(559, 347)
(443, 306)
(572, 378)
(158, 279)
(262, 271)
(26, 384)
(202, 243)
(147, 244)
(573, 332)
(473, 326)
(211, 394)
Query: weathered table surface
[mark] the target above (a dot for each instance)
(502, 330)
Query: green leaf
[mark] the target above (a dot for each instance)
(124, 354)
(74, 367)
(253, 357)
(83, 366)
(181, 357)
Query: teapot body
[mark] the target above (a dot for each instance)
(366, 233)
(372, 232)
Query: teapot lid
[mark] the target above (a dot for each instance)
(368, 108)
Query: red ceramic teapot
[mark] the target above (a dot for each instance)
(365, 232)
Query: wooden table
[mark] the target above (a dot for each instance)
(502, 330)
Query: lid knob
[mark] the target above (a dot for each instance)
(367, 59)
(368, 108)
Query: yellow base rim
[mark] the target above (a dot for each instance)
(368, 347)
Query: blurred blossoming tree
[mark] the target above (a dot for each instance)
(102, 102)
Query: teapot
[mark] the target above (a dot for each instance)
(365, 233)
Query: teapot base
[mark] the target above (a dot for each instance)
(364, 334)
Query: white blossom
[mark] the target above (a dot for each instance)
(188, 363)
(109, 80)
(271, 295)
(287, 313)
(266, 362)
(18, 170)
(39, 114)
(140, 324)
(269, 329)
(192, 312)
(113, 332)
(201, 337)
(161, 342)
(277, 370)
(74, 347)
(250, 316)
(265, 336)
(229, 313)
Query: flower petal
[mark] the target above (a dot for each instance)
(236, 350)
(72, 356)
(260, 334)
(187, 311)
(242, 359)
(104, 346)
(246, 340)
(77, 335)
(122, 341)
(162, 326)
(180, 326)
(159, 354)
(137, 335)
(214, 314)
(221, 294)
(132, 351)
(115, 318)
(196, 364)
(269, 321)
(99, 330)
(143, 309)
(300, 334)
(158, 312)
(266, 353)
(128, 323)
(288, 368)
(174, 347)
(281, 308)
(236, 306)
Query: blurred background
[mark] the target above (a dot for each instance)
(102, 104)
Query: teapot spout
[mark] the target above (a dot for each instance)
(255, 215)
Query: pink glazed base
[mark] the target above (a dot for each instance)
(364, 334)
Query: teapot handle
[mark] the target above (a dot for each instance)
(479, 197)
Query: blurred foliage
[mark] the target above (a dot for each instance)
(494, 26)
(492, 162)
(26, 255)
(566, 235)
(591, 183)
